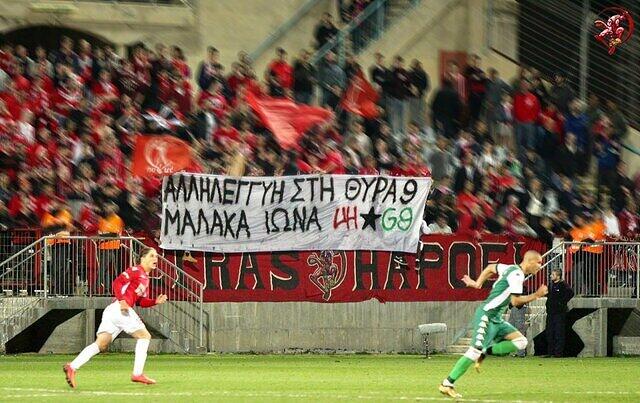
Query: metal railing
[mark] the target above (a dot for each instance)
(80, 266)
(558, 36)
(365, 28)
(599, 270)
(283, 29)
(186, 3)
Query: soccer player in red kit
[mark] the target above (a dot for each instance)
(130, 289)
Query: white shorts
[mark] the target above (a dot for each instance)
(114, 322)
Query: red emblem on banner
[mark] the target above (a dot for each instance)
(615, 27)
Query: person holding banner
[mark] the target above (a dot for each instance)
(491, 334)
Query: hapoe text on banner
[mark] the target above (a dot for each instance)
(308, 212)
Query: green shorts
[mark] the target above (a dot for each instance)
(488, 329)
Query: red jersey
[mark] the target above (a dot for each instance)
(132, 286)
(526, 107)
(283, 71)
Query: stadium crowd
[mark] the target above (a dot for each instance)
(512, 157)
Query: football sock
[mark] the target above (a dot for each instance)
(85, 355)
(505, 347)
(459, 369)
(141, 356)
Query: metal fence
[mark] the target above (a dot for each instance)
(559, 36)
(603, 269)
(363, 29)
(79, 266)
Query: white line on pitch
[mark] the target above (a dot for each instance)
(253, 394)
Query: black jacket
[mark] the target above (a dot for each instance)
(303, 77)
(398, 83)
(420, 80)
(559, 296)
(379, 75)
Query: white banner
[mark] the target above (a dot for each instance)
(214, 213)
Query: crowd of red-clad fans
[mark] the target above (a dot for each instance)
(505, 157)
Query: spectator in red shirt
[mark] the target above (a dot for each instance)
(182, 94)
(279, 73)
(629, 220)
(332, 161)
(466, 200)
(471, 222)
(179, 62)
(106, 92)
(226, 134)
(526, 109)
(217, 101)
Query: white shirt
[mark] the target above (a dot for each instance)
(612, 225)
(436, 229)
(27, 131)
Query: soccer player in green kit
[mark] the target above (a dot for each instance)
(491, 334)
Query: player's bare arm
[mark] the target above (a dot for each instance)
(486, 274)
(519, 300)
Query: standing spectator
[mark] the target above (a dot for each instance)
(496, 87)
(576, 123)
(331, 79)
(208, 68)
(57, 222)
(379, 75)
(569, 157)
(440, 226)
(303, 79)
(446, 109)
(608, 153)
(467, 172)
(629, 220)
(559, 296)
(41, 65)
(23, 61)
(325, 31)
(611, 222)
(398, 92)
(458, 81)
(418, 88)
(561, 94)
(526, 109)
(279, 72)
(110, 225)
(619, 122)
(476, 83)
(66, 56)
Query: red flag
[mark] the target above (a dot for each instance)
(287, 120)
(160, 155)
(360, 98)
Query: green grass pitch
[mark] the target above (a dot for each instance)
(321, 378)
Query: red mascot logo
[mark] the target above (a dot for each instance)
(615, 27)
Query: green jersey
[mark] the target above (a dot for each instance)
(510, 281)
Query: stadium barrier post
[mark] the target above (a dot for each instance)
(201, 317)
(46, 268)
(562, 260)
(638, 271)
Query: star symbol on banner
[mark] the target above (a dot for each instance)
(370, 219)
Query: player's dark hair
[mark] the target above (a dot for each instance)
(144, 252)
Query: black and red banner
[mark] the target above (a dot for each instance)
(431, 274)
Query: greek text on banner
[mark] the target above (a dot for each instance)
(213, 213)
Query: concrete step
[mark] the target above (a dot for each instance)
(457, 349)
(464, 341)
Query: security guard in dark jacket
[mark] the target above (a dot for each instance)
(559, 296)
